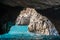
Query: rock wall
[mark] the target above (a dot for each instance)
(37, 23)
(53, 15)
(41, 25)
(25, 15)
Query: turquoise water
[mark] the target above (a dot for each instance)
(21, 32)
(18, 29)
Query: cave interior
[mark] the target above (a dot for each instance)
(9, 13)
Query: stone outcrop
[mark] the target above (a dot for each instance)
(25, 15)
(37, 23)
(42, 25)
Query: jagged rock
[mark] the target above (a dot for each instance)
(25, 15)
(37, 23)
(41, 25)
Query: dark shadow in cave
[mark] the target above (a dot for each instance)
(8, 14)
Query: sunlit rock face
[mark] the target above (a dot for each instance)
(37, 23)
(25, 15)
(41, 25)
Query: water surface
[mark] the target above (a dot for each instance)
(21, 32)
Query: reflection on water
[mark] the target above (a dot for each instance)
(21, 32)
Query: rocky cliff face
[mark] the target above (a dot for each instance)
(53, 15)
(37, 23)
(25, 15)
(41, 25)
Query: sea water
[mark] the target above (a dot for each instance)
(21, 32)
(16, 29)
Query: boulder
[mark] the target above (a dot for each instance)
(41, 25)
(37, 23)
(24, 16)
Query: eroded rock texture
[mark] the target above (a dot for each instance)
(25, 15)
(37, 23)
(42, 25)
